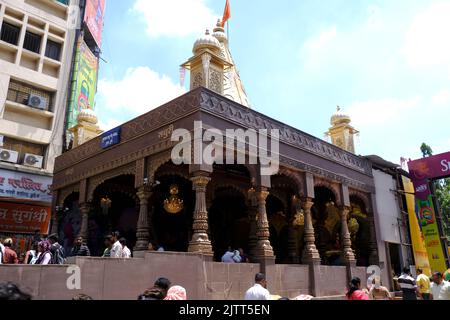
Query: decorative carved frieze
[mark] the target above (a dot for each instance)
(319, 172)
(251, 119)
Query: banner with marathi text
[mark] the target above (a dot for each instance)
(418, 243)
(423, 172)
(22, 218)
(427, 219)
(25, 186)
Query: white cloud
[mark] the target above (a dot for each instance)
(175, 17)
(379, 112)
(109, 124)
(441, 98)
(139, 91)
(318, 42)
(375, 20)
(427, 40)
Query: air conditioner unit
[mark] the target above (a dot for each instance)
(37, 101)
(9, 155)
(33, 160)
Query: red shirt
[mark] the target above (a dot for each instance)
(10, 256)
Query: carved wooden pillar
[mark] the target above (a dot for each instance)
(85, 208)
(373, 247)
(57, 212)
(200, 241)
(347, 251)
(143, 229)
(264, 249)
(310, 252)
(252, 216)
(292, 233)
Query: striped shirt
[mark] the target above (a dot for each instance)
(408, 286)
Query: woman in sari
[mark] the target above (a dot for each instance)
(45, 256)
(355, 292)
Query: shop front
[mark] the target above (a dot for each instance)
(25, 208)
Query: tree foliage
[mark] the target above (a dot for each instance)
(426, 150)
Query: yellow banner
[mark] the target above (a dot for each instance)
(418, 242)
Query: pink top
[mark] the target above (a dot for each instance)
(358, 295)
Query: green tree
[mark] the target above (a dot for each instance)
(426, 150)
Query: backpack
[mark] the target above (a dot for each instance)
(58, 255)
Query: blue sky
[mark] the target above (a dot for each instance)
(387, 63)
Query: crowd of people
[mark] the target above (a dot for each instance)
(50, 251)
(421, 288)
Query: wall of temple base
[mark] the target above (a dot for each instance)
(288, 280)
(125, 279)
(332, 280)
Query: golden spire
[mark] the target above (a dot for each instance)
(341, 132)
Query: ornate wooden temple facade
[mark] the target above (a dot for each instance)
(318, 209)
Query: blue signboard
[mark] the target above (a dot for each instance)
(111, 138)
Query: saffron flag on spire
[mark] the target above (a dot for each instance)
(226, 13)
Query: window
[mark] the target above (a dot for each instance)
(53, 50)
(32, 42)
(20, 92)
(10, 33)
(23, 147)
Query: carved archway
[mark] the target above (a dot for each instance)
(66, 192)
(157, 161)
(228, 220)
(332, 186)
(363, 197)
(295, 177)
(96, 181)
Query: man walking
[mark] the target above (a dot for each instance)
(9, 256)
(116, 250)
(58, 254)
(408, 285)
(126, 252)
(423, 283)
(259, 290)
(440, 289)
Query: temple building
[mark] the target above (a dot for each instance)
(317, 211)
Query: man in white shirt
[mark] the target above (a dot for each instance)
(126, 253)
(116, 250)
(440, 289)
(259, 290)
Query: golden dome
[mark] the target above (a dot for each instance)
(206, 41)
(219, 32)
(87, 115)
(340, 117)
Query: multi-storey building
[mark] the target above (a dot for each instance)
(37, 39)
